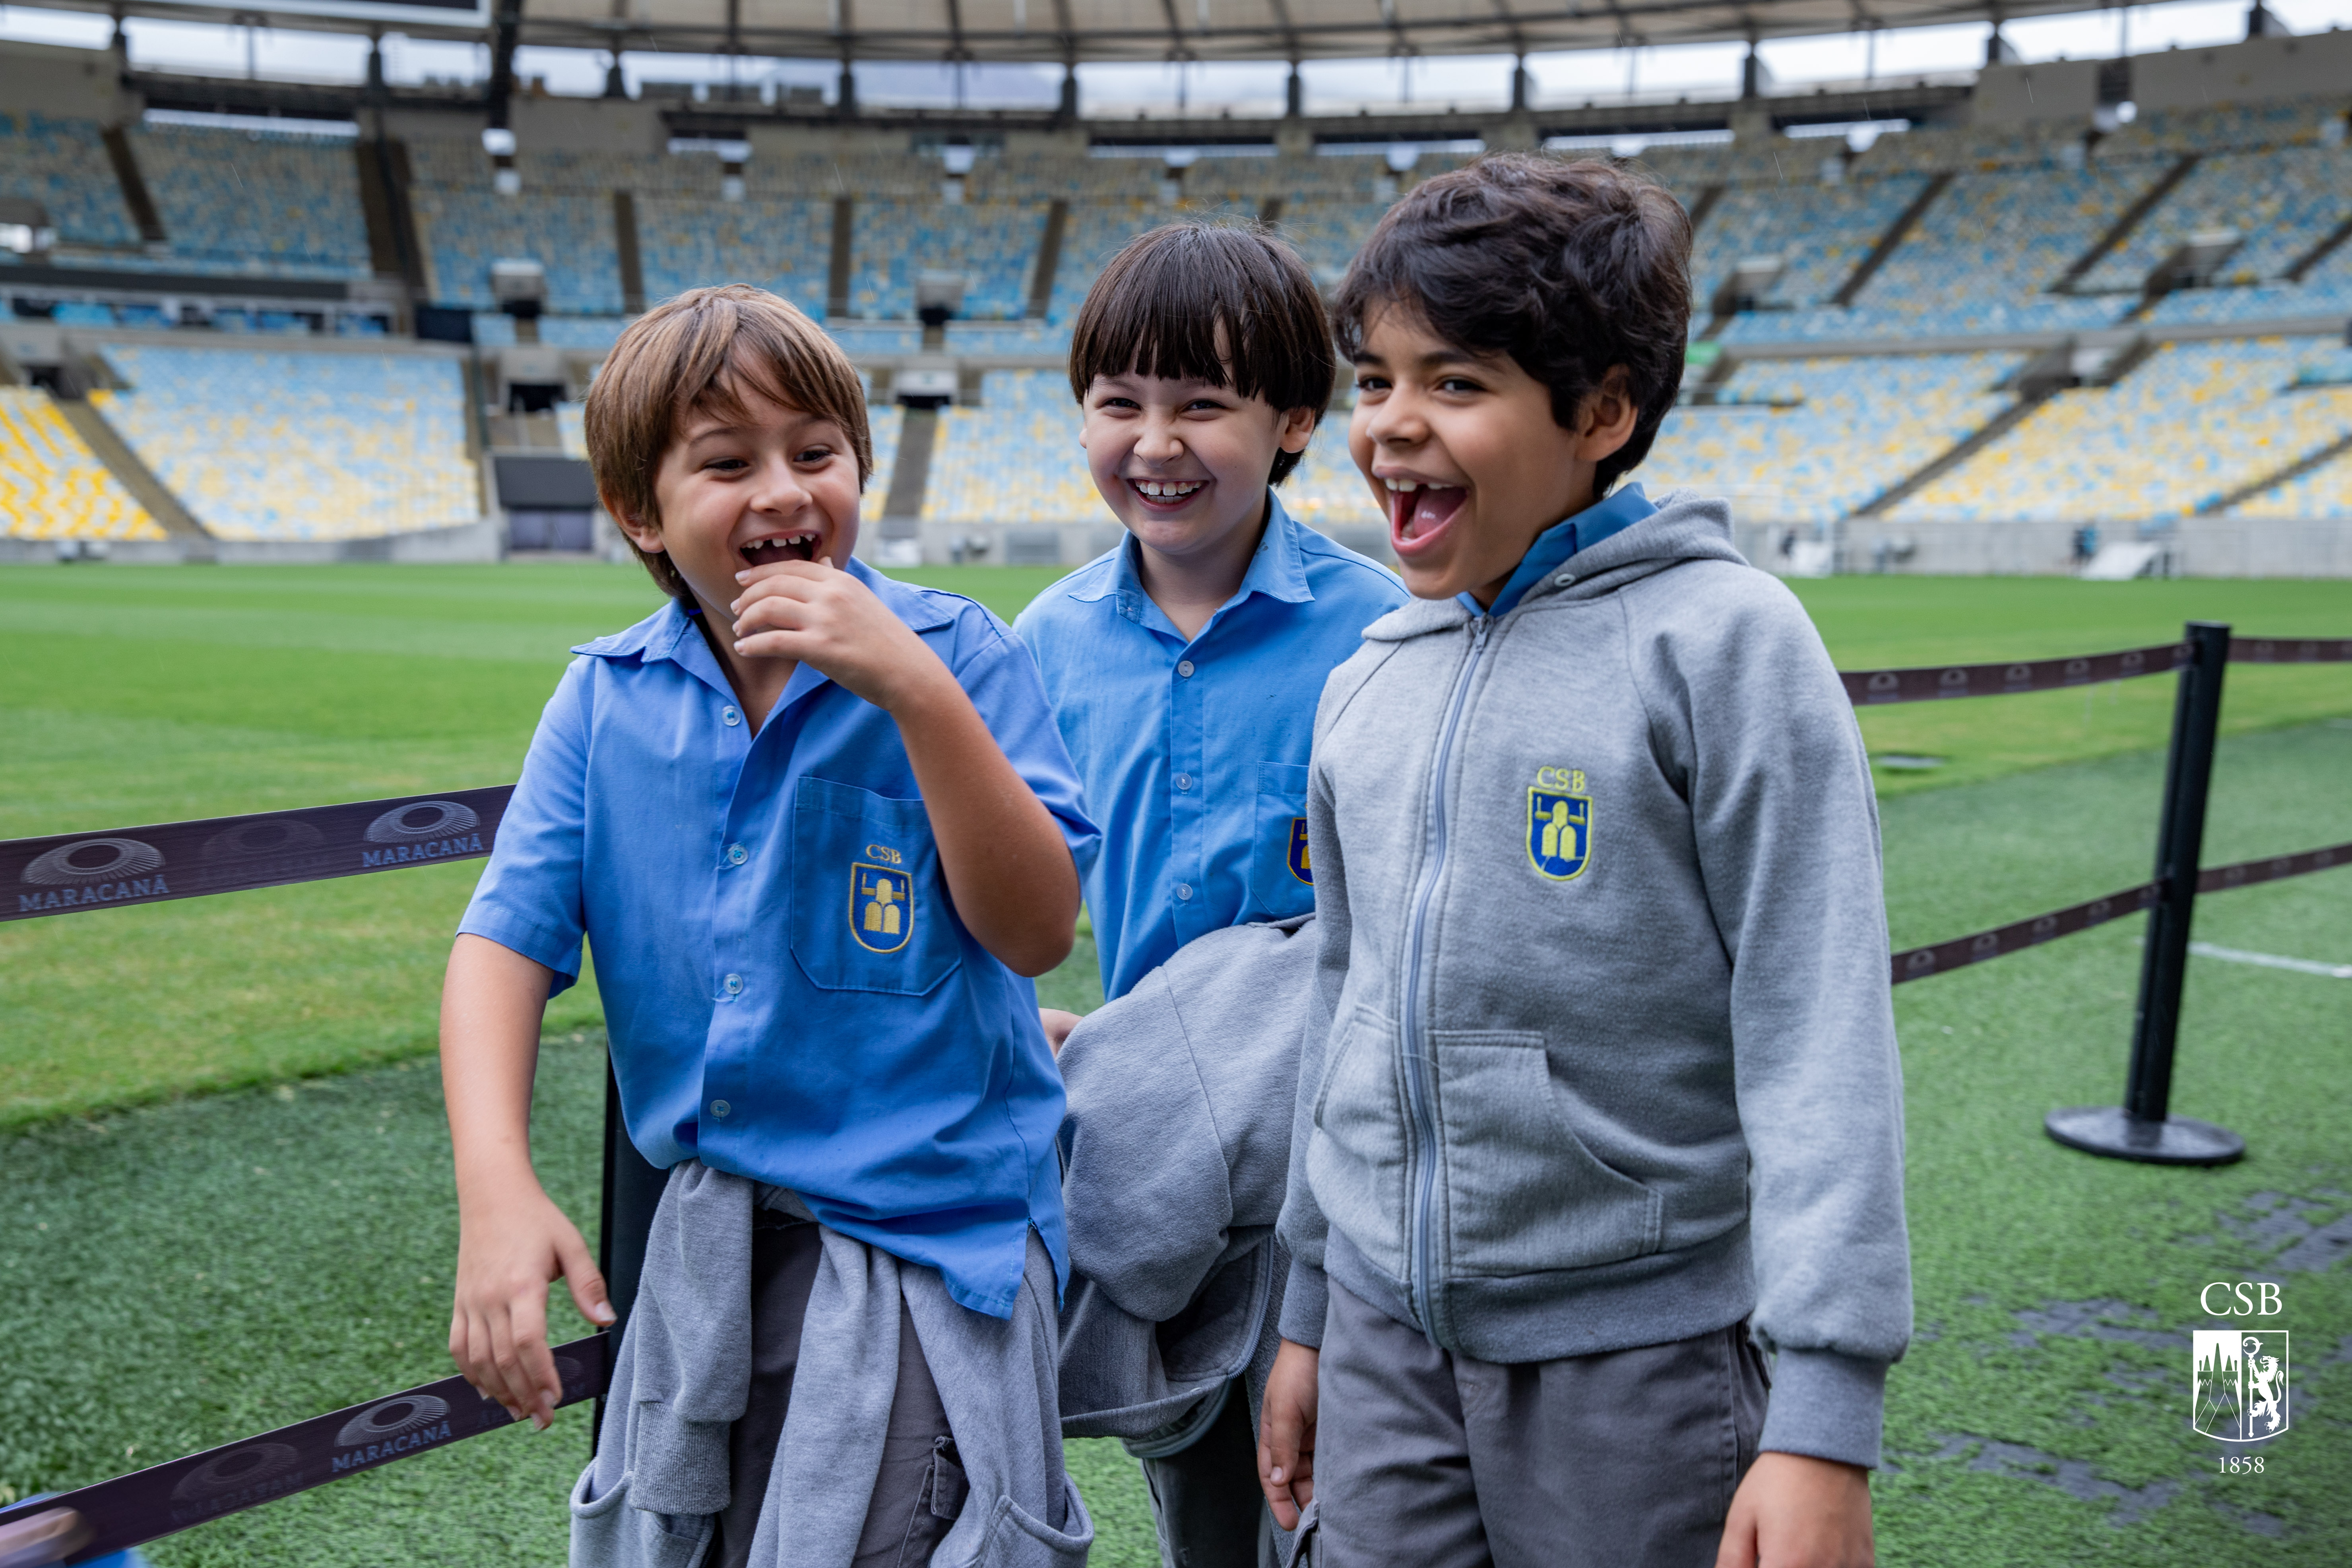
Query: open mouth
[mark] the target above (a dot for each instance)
(779, 547)
(1419, 511)
(1167, 494)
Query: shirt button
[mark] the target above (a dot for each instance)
(730, 715)
(736, 854)
(1184, 668)
(1565, 580)
(719, 1108)
(1183, 889)
(1184, 781)
(734, 983)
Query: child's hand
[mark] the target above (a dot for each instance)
(812, 613)
(1285, 1433)
(1058, 1026)
(507, 1252)
(1794, 1511)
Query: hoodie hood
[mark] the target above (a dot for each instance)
(1686, 527)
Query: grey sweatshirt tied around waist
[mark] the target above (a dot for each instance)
(683, 1376)
(1176, 1149)
(1603, 1053)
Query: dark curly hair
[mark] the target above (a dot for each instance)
(1571, 268)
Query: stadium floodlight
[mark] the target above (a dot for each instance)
(519, 286)
(499, 142)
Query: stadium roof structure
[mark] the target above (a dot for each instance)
(1073, 31)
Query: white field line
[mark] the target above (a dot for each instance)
(2270, 961)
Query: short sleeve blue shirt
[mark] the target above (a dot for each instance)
(791, 997)
(1194, 753)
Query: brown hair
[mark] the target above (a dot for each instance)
(705, 349)
(1159, 306)
(1571, 268)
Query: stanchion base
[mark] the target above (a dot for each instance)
(2174, 1141)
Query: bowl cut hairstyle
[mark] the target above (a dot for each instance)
(1571, 268)
(707, 351)
(1161, 306)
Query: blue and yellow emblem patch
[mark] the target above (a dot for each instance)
(1560, 823)
(881, 907)
(1297, 860)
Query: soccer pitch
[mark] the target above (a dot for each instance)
(227, 1187)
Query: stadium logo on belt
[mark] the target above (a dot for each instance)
(1560, 823)
(881, 906)
(238, 1478)
(427, 830)
(1301, 867)
(93, 871)
(2238, 1382)
(387, 1430)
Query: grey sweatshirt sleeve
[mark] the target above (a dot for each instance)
(1303, 1226)
(1747, 713)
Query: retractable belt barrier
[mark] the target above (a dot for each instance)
(73, 872)
(131, 1510)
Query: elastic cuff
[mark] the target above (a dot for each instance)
(1304, 1296)
(1826, 1406)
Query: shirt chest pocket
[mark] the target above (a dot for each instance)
(1281, 878)
(869, 907)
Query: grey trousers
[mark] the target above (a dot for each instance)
(1625, 1459)
(921, 1487)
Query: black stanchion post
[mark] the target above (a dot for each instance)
(631, 1191)
(2143, 1127)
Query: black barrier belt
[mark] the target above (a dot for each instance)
(72, 871)
(145, 1505)
(1930, 683)
(1918, 963)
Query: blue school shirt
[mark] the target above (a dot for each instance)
(1619, 511)
(1194, 753)
(789, 994)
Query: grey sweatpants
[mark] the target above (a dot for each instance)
(1625, 1459)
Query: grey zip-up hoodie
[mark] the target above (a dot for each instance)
(1602, 1052)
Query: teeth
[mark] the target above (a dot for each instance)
(1406, 485)
(1168, 488)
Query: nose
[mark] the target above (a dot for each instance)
(1396, 420)
(1159, 441)
(779, 489)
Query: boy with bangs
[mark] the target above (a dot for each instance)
(1601, 1073)
(819, 828)
(1183, 668)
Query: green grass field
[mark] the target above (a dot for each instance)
(226, 1188)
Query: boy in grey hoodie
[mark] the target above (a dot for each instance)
(1600, 1101)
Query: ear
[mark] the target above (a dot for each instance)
(1297, 429)
(646, 536)
(1606, 420)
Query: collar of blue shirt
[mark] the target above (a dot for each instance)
(1276, 569)
(672, 635)
(1620, 510)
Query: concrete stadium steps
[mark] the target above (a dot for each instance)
(132, 472)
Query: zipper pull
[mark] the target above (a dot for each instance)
(1478, 631)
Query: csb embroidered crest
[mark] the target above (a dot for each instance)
(881, 906)
(1560, 823)
(1301, 867)
(2237, 1379)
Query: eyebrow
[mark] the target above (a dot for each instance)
(1448, 355)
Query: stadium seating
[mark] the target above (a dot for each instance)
(1821, 233)
(1806, 441)
(780, 243)
(2284, 200)
(884, 422)
(51, 486)
(279, 444)
(992, 244)
(1328, 491)
(62, 164)
(1094, 234)
(2193, 424)
(1016, 457)
(255, 201)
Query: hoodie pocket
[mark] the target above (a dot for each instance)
(1281, 881)
(1355, 1161)
(1018, 1539)
(1523, 1194)
(606, 1532)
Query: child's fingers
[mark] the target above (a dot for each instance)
(525, 1366)
(579, 1275)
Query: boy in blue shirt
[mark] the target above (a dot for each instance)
(819, 828)
(1184, 666)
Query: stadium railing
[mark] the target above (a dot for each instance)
(76, 871)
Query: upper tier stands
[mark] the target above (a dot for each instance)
(1015, 456)
(1821, 233)
(51, 485)
(2284, 200)
(780, 243)
(1093, 235)
(2182, 431)
(62, 164)
(993, 243)
(264, 444)
(1810, 440)
(255, 201)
